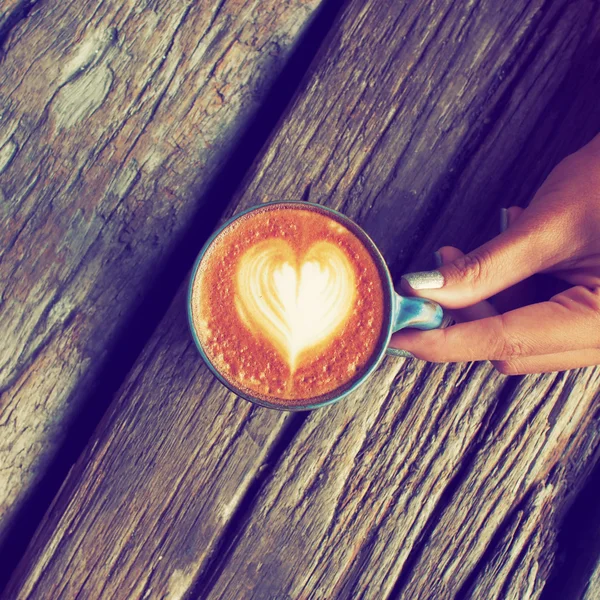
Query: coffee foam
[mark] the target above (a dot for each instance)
(296, 303)
(288, 304)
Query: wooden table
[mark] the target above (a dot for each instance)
(128, 130)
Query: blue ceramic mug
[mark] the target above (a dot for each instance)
(400, 311)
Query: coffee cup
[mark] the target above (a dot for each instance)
(292, 306)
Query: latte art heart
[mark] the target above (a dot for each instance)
(295, 302)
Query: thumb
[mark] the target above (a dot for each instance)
(480, 310)
(527, 247)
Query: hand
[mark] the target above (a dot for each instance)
(557, 236)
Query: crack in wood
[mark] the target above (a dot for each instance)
(509, 525)
(10, 19)
(122, 352)
(578, 540)
(206, 578)
(524, 58)
(494, 413)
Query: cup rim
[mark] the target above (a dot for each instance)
(389, 301)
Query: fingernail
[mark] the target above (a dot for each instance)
(424, 280)
(401, 353)
(437, 259)
(503, 220)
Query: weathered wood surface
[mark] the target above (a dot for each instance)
(11, 12)
(114, 117)
(432, 481)
(578, 546)
(592, 590)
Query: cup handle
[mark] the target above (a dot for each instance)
(418, 313)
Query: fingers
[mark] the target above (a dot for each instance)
(569, 321)
(482, 309)
(533, 242)
(560, 334)
(549, 363)
(538, 288)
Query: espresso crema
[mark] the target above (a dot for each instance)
(288, 304)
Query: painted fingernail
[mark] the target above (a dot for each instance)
(437, 259)
(424, 280)
(401, 353)
(503, 220)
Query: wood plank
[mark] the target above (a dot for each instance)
(578, 543)
(515, 485)
(359, 532)
(114, 119)
(592, 590)
(164, 502)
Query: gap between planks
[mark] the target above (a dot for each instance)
(130, 342)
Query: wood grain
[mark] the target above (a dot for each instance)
(592, 590)
(578, 542)
(431, 480)
(515, 483)
(114, 117)
(11, 12)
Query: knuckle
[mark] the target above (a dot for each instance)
(438, 345)
(510, 346)
(474, 267)
(595, 309)
(595, 301)
(508, 367)
(583, 302)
